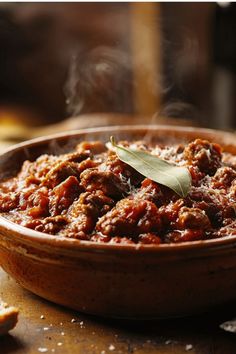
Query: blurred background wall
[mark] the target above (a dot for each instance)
(168, 59)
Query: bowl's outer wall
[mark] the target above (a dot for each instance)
(117, 285)
(123, 287)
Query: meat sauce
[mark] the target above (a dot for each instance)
(89, 194)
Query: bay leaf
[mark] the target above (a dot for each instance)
(175, 177)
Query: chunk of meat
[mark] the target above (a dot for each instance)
(77, 156)
(203, 154)
(65, 169)
(27, 196)
(35, 201)
(149, 238)
(214, 202)
(84, 213)
(39, 201)
(94, 147)
(38, 168)
(110, 184)
(8, 201)
(169, 213)
(184, 235)
(50, 225)
(79, 228)
(223, 177)
(60, 172)
(94, 204)
(125, 172)
(193, 218)
(155, 193)
(214, 211)
(122, 240)
(151, 191)
(196, 175)
(63, 195)
(130, 218)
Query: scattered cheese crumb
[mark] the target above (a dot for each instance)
(111, 347)
(42, 350)
(167, 342)
(59, 344)
(188, 347)
(42, 317)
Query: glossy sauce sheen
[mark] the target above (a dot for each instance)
(89, 194)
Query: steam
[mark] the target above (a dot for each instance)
(74, 105)
(100, 81)
(178, 109)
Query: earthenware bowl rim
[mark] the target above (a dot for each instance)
(26, 235)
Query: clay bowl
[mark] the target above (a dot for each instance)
(122, 281)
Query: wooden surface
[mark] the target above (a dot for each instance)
(56, 332)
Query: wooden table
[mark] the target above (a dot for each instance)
(45, 327)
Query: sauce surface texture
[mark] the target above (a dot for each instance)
(89, 194)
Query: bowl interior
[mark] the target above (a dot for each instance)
(11, 162)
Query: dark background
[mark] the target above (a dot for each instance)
(64, 59)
